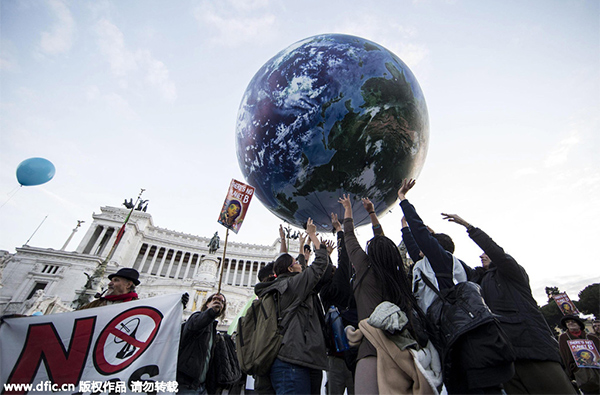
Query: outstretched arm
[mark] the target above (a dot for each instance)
(355, 252)
(441, 260)
(339, 291)
(369, 208)
(411, 246)
(311, 230)
(283, 246)
(347, 204)
(456, 219)
(504, 262)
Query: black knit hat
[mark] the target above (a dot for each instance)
(574, 318)
(128, 273)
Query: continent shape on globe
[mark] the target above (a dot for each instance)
(331, 114)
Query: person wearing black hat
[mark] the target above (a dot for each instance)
(575, 329)
(121, 288)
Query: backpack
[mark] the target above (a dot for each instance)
(259, 335)
(458, 310)
(224, 361)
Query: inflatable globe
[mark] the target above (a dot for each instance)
(330, 115)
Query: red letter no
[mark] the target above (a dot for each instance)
(44, 344)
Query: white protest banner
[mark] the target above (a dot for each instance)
(127, 347)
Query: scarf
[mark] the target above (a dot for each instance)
(121, 298)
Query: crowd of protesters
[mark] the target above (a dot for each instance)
(406, 329)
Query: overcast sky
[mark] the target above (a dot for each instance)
(123, 95)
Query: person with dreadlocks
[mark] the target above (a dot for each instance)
(382, 286)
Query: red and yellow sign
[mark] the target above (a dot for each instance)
(235, 205)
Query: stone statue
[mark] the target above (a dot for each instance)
(129, 204)
(141, 206)
(213, 245)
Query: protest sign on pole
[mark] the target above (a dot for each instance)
(236, 205)
(122, 348)
(233, 213)
(566, 306)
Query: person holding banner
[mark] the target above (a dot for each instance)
(121, 288)
(196, 347)
(575, 330)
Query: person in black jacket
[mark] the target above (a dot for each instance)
(480, 359)
(338, 292)
(506, 290)
(196, 347)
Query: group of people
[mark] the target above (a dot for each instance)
(413, 329)
(501, 343)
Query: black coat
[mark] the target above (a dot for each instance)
(506, 290)
(195, 338)
(475, 352)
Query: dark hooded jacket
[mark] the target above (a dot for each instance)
(302, 314)
(195, 338)
(505, 288)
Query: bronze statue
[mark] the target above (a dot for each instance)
(213, 245)
(141, 206)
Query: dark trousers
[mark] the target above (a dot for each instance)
(538, 377)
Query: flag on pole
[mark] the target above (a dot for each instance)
(236, 205)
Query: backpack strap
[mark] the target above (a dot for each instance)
(427, 281)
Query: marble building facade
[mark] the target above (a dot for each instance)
(47, 281)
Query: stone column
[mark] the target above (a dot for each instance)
(99, 240)
(208, 270)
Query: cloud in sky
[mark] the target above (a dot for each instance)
(560, 153)
(123, 61)
(59, 38)
(404, 43)
(114, 101)
(235, 22)
(8, 58)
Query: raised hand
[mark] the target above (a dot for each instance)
(311, 229)
(281, 233)
(347, 203)
(216, 303)
(302, 239)
(283, 240)
(406, 186)
(368, 205)
(335, 222)
(185, 298)
(456, 219)
(330, 245)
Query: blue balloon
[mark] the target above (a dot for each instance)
(35, 171)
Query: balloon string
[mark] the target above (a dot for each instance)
(11, 195)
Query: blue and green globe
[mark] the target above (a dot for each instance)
(329, 115)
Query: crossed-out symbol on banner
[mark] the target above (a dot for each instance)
(124, 328)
